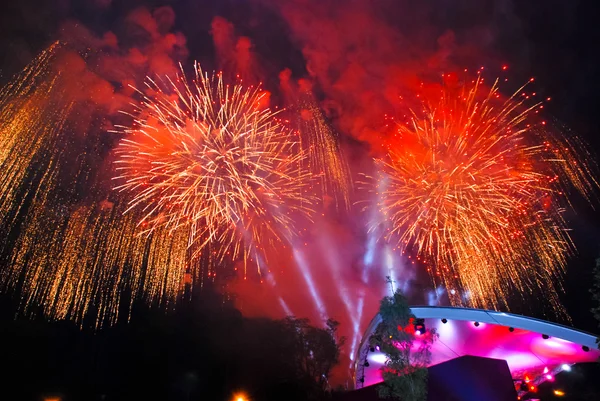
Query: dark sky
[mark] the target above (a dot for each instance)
(555, 41)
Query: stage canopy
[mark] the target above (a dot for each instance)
(535, 350)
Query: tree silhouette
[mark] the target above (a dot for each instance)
(203, 350)
(408, 353)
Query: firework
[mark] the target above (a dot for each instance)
(208, 172)
(325, 154)
(475, 185)
(71, 258)
(212, 158)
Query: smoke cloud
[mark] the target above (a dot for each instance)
(235, 54)
(368, 59)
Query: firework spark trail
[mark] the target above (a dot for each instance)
(89, 257)
(71, 260)
(325, 155)
(31, 119)
(44, 261)
(209, 157)
(471, 191)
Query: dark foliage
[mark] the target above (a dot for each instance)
(405, 372)
(202, 351)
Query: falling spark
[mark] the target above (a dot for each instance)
(326, 157)
(31, 119)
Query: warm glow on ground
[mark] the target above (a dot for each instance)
(240, 397)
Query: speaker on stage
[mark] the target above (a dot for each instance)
(471, 378)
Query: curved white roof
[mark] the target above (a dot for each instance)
(532, 347)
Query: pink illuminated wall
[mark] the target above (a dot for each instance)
(526, 352)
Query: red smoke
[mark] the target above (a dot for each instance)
(111, 64)
(369, 64)
(94, 75)
(234, 53)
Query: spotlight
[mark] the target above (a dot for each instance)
(549, 377)
(444, 321)
(566, 367)
(586, 348)
(420, 326)
(545, 336)
(476, 324)
(366, 364)
(377, 348)
(372, 349)
(511, 329)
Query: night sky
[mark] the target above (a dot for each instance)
(551, 40)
